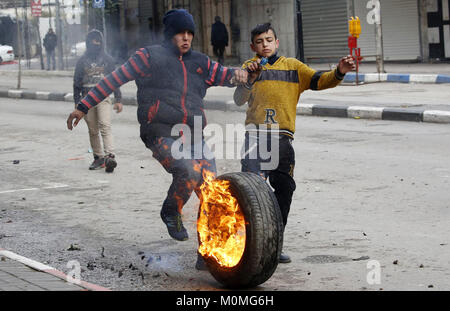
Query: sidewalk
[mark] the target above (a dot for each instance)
(18, 273)
(57, 86)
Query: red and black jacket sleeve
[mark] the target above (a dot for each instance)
(219, 75)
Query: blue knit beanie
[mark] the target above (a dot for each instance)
(176, 21)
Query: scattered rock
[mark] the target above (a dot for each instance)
(156, 275)
(3, 259)
(103, 252)
(395, 262)
(74, 247)
(364, 234)
(91, 265)
(9, 221)
(361, 258)
(16, 161)
(120, 273)
(80, 202)
(421, 266)
(430, 286)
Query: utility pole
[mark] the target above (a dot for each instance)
(19, 42)
(374, 17)
(104, 27)
(60, 37)
(49, 15)
(86, 15)
(26, 34)
(41, 57)
(380, 52)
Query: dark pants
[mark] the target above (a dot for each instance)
(51, 57)
(187, 174)
(280, 177)
(218, 52)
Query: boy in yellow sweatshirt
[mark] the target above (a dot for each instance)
(272, 93)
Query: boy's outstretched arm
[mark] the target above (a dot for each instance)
(321, 80)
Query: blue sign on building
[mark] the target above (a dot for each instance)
(98, 4)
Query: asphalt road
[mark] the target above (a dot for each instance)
(371, 210)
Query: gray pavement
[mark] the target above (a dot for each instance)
(18, 273)
(15, 276)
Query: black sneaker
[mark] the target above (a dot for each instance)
(99, 162)
(284, 258)
(200, 264)
(175, 226)
(110, 163)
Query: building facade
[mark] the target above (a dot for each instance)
(311, 30)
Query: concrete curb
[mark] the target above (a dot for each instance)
(398, 78)
(349, 77)
(47, 269)
(356, 112)
(377, 113)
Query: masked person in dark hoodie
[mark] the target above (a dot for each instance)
(91, 68)
(172, 80)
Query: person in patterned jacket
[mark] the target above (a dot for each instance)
(89, 70)
(172, 81)
(272, 93)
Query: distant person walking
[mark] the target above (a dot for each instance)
(219, 39)
(50, 41)
(90, 69)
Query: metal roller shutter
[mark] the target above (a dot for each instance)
(401, 35)
(325, 29)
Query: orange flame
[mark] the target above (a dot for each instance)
(221, 223)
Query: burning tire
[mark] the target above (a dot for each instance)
(255, 230)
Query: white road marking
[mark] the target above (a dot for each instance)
(52, 186)
(49, 186)
(18, 190)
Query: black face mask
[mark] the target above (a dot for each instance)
(94, 49)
